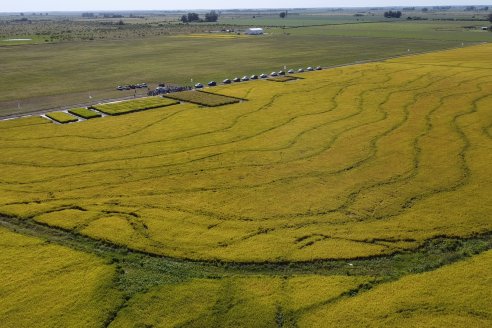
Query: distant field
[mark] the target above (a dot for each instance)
(82, 73)
(420, 30)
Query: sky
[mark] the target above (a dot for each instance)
(86, 5)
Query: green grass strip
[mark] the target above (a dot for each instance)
(131, 106)
(62, 117)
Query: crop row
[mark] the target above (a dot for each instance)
(62, 117)
(283, 78)
(84, 113)
(203, 98)
(131, 106)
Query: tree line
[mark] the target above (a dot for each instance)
(212, 16)
(392, 14)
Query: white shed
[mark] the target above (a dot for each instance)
(254, 31)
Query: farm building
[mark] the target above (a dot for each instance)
(254, 31)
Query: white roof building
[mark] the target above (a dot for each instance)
(254, 31)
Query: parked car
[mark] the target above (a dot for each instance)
(300, 70)
(120, 88)
(198, 86)
(263, 76)
(212, 84)
(281, 73)
(127, 87)
(254, 77)
(310, 68)
(236, 79)
(226, 81)
(273, 74)
(245, 78)
(318, 68)
(291, 71)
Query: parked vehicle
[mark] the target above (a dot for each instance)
(198, 86)
(281, 73)
(245, 78)
(254, 77)
(212, 84)
(226, 81)
(263, 76)
(291, 71)
(236, 79)
(300, 70)
(120, 88)
(310, 68)
(318, 68)
(273, 74)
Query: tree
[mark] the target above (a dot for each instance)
(193, 17)
(184, 19)
(283, 14)
(392, 14)
(211, 16)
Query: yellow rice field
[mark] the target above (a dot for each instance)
(349, 162)
(43, 285)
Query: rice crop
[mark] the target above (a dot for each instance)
(131, 106)
(46, 285)
(203, 98)
(357, 161)
(255, 301)
(456, 296)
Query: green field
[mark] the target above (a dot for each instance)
(53, 80)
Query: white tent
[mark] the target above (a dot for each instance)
(254, 31)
